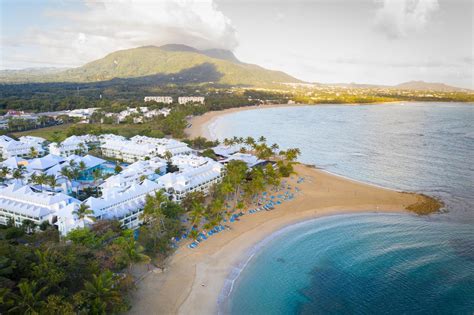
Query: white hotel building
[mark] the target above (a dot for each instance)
(150, 169)
(127, 151)
(73, 145)
(159, 99)
(140, 147)
(20, 203)
(164, 145)
(191, 179)
(123, 195)
(190, 99)
(13, 148)
(184, 162)
(125, 205)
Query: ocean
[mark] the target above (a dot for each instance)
(368, 263)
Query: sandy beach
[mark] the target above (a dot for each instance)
(194, 278)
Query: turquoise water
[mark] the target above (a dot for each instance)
(421, 147)
(361, 264)
(106, 168)
(366, 264)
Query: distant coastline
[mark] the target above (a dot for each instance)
(199, 124)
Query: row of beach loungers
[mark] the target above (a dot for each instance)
(266, 202)
(201, 236)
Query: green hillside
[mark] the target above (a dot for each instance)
(172, 63)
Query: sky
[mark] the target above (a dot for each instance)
(327, 41)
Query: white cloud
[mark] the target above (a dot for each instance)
(398, 18)
(106, 26)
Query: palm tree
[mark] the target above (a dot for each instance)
(103, 293)
(227, 188)
(117, 168)
(216, 206)
(82, 149)
(33, 152)
(275, 147)
(4, 171)
(196, 213)
(41, 180)
(250, 141)
(96, 175)
(82, 166)
(262, 139)
(84, 211)
(33, 178)
(75, 173)
(72, 163)
(52, 182)
(134, 250)
(43, 120)
(30, 298)
(235, 140)
(271, 176)
(292, 154)
(28, 225)
(167, 155)
(67, 173)
(236, 173)
(18, 174)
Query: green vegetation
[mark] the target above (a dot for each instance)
(239, 187)
(41, 274)
(201, 143)
(425, 205)
(178, 64)
(91, 270)
(158, 127)
(124, 77)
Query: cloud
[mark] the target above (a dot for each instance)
(398, 18)
(105, 26)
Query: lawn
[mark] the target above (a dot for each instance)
(61, 132)
(53, 133)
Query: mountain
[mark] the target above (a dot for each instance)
(28, 74)
(175, 63)
(427, 86)
(411, 85)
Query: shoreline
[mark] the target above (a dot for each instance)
(199, 124)
(193, 279)
(197, 281)
(248, 255)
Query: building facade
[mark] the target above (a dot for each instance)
(13, 148)
(159, 99)
(20, 202)
(190, 99)
(201, 178)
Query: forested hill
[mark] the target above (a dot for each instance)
(170, 63)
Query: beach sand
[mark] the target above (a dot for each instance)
(193, 278)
